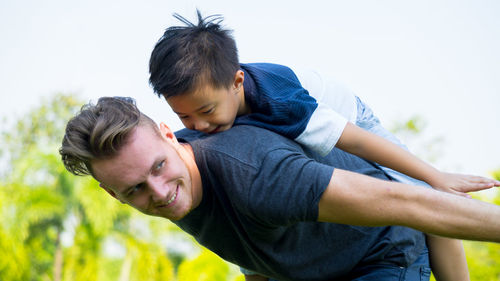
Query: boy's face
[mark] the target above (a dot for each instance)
(210, 109)
(150, 175)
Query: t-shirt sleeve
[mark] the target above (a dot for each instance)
(323, 130)
(287, 188)
(336, 106)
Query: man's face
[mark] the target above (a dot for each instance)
(208, 109)
(150, 175)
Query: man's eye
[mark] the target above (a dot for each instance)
(160, 165)
(183, 116)
(134, 189)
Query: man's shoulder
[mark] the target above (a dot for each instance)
(188, 135)
(255, 136)
(243, 142)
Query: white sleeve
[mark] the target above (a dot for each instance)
(336, 106)
(323, 130)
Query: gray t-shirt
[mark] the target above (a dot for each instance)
(260, 206)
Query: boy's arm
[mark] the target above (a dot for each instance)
(377, 149)
(356, 199)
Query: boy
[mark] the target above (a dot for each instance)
(196, 69)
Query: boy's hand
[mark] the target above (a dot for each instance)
(461, 184)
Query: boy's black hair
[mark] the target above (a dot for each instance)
(187, 56)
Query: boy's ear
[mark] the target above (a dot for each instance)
(239, 78)
(166, 133)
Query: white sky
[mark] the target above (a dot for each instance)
(438, 59)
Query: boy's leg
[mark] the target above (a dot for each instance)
(441, 250)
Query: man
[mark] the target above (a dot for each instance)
(262, 202)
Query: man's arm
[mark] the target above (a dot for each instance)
(356, 199)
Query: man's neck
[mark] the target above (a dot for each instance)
(187, 154)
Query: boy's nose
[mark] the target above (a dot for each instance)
(201, 125)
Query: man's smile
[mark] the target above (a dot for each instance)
(172, 199)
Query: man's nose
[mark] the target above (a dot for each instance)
(158, 188)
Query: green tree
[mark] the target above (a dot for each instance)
(484, 258)
(413, 133)
(41, 203)
(39, 196)
(207, 267)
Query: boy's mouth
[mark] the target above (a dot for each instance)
(216, 130)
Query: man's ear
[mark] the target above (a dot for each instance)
(166, 133)
(239, 78)
(110, 192)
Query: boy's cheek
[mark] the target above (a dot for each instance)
(185, 123)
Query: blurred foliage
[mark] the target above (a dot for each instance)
(413, 133)
(483, 258)
(56, 226)
(206, 267)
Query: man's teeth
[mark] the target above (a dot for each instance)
(173, 198)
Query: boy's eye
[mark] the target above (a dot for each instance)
(209, 111)
(183, 116)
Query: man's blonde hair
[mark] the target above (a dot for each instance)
(100, 131)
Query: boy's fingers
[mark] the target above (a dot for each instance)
(492, 182)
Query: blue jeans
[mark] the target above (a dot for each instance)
(417, 271)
